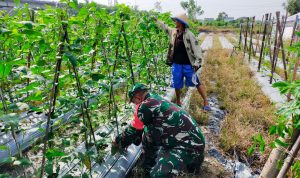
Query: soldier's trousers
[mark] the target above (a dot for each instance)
(160, 162)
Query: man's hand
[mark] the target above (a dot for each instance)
(196, 68)
(115, 144)
(115, 147)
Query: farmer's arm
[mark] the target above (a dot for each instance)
(197, 52)
(164, 26)
(130, 135)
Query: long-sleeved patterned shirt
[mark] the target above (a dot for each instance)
(165, 124)
(191, 44)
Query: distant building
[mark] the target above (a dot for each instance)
(242, 18)
(209, 19)
(229, 19)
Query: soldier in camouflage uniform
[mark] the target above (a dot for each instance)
(172, 142)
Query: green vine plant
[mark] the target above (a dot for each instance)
(79, 59)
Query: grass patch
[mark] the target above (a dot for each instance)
(216, 42)
(249, 111)
(229, 37)
(195, 108)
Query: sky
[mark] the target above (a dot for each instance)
(234, 8)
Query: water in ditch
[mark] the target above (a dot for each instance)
(216, 116)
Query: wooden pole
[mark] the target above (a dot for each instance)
(241, 30)
(269, 35)
(251, 35)
(281, 32)
(246, 36)
(276, 46)
(292, 37)
(289, 159)
(263, 42)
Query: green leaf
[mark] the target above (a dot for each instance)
(272, 130)
(251, 150)
(262, 147)
(41, 130)
(83, 12)
(17, 2)
(85, 175)
(30, 87)
(30, 32)
(7, 70)
(74, 4)
(49, 168)
(83, 129)
(7, 160)
(41, 62)
(97, 76)
(3, 147)
(35, 97)
(54, 152)
(273, 145)
(259, 138)
(281, 143)
(27, 24)
(4, 31)
(2, 69)
(4, 176)
(71, 58)
(22, 162)
(282, 86)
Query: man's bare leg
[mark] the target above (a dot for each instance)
(178, 92)
(201, 91)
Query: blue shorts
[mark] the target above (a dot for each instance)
(181, 71)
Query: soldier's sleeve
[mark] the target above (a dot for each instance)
(129, 136)
(165, 27)
(145, 114)
(196, 49)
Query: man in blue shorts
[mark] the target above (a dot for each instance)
(185, 56)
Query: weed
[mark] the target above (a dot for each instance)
(249, 111)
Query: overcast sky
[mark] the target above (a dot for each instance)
(234, 8)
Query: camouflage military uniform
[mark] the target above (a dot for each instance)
(172, 142)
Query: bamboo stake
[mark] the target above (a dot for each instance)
(241, 30)
(128, 54)
(269, 35)
(292, 37)
(246, 36)
(289, 159)
(276, 46)
(263, 42)
(251, 35)
(53, 94)
(29, 56)
(281, 32)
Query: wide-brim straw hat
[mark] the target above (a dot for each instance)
(182, 18)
